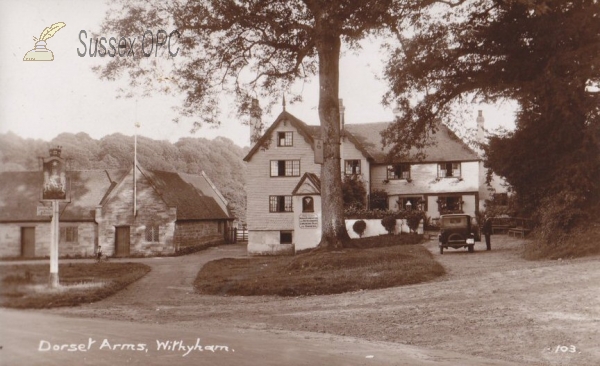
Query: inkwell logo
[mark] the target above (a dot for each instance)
(40, 52)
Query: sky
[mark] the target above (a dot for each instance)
(43, 99)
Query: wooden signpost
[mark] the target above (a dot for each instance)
(54, 190)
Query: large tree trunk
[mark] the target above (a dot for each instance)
(333, 226)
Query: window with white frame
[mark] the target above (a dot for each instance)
(280, 203)
(151, 233)
(449, 170)
(285, 138)
(285, 168)
(450, 204)
(398, 171)
(410, 203)
(352, 167)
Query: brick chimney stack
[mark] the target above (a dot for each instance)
(342, 111)
(480, 127)
(256, 125)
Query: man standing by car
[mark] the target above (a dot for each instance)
(487, 231)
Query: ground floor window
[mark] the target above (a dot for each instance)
(69, 234)
(280, 203)
(410, 203)
(285, 237)
(450, 204)
(152, 233)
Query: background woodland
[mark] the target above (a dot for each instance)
(220, 158)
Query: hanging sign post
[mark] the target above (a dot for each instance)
(54, 190)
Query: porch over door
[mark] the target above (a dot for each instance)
(28, 242)
(122, 241)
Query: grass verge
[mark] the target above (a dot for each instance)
(582, 241)
(26, 286)
(321, 272)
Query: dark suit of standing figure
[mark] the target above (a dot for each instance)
(487, 231)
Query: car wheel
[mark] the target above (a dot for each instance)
(471, 248)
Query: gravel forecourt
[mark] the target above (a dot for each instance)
(491, 304)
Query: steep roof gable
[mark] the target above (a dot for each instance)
(310, 133)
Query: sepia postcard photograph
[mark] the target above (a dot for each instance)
(300, 182)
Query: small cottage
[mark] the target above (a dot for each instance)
(134, 212)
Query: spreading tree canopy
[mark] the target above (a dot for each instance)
(257, 48)
(543, 54)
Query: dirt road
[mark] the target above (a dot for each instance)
(490, 304)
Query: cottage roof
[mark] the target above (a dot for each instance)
(193, 201)
(20, 194)
(446, 146)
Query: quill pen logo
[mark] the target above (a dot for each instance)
(40, 52)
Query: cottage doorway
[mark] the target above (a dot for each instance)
(28, 242)
(122, 241)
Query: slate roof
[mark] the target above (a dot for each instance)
(191, 201)
(207, 187)
(367, 139)
(20, 195)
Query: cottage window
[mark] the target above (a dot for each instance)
(415, 203)
(69, 234)
(352, 167)
(450, 204)
(285, 168)
(449, 170)
(152, 233)
(285, 138)
(398, 171)
(280, 203)
(285, 237)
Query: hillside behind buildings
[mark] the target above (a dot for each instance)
(220, 158)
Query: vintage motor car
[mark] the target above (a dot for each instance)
(458, 231)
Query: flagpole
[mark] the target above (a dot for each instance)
(137, 125)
